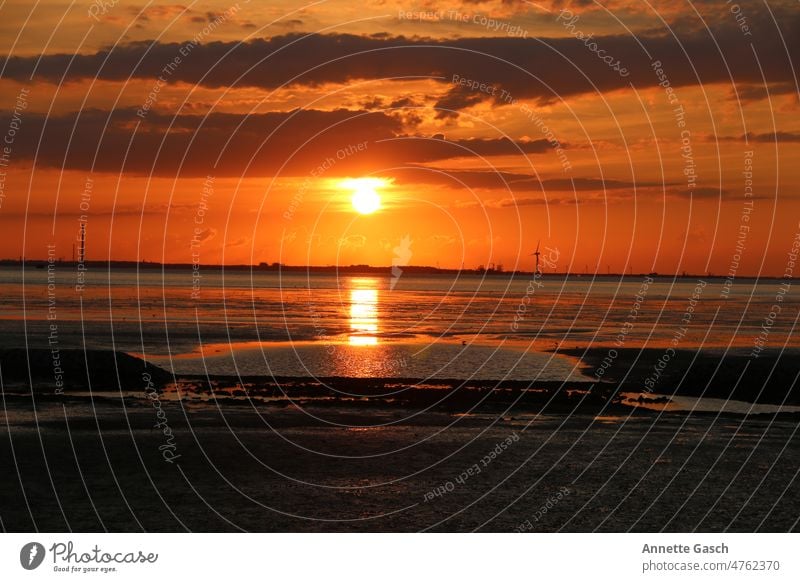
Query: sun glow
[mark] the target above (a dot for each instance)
(366, 199)
(363, 317)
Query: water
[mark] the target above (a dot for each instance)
(414, 326)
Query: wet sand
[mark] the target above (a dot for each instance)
(770, 378)
(386, 456)
(95, 465)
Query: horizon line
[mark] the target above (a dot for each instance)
(277, 266)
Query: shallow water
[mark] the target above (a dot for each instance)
(675, 403)
(467, 326)
(385, 359)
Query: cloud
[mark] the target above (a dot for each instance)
(749, 93)
(424, 149)
(162, 12)
(512, 181)
(551, 195)
(291, 23)
(455, 100)
(205, 235)
(543, 69)
(777, 136)
(699, 193)
(218, 144)
(239, 242)
(295, 143)
(713, 193)
(771, 137)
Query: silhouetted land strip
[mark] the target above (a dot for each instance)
(360, 270)
(770, 378)
(78, 370)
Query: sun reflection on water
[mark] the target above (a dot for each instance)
(363, 315)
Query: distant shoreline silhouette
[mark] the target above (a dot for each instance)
(367, 269)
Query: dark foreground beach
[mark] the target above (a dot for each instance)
(370, 455)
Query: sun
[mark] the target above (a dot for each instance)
(366, 199)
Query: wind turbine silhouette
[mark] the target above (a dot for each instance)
(536, 254)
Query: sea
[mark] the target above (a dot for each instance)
(327, 324)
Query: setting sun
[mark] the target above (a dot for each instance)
(365, 198)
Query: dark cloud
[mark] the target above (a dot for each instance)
(710, 193)
(513, 181)
(225, 144)
(530, 68)
(778, 136)
(771, 137)
(217, 144)
(587, 191)
(405, 102)
(420, 149)
(699, 193)
(455, 100)
(162, 12)
(748, 93)
(206, 235)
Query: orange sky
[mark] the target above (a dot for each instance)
(492, 125)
